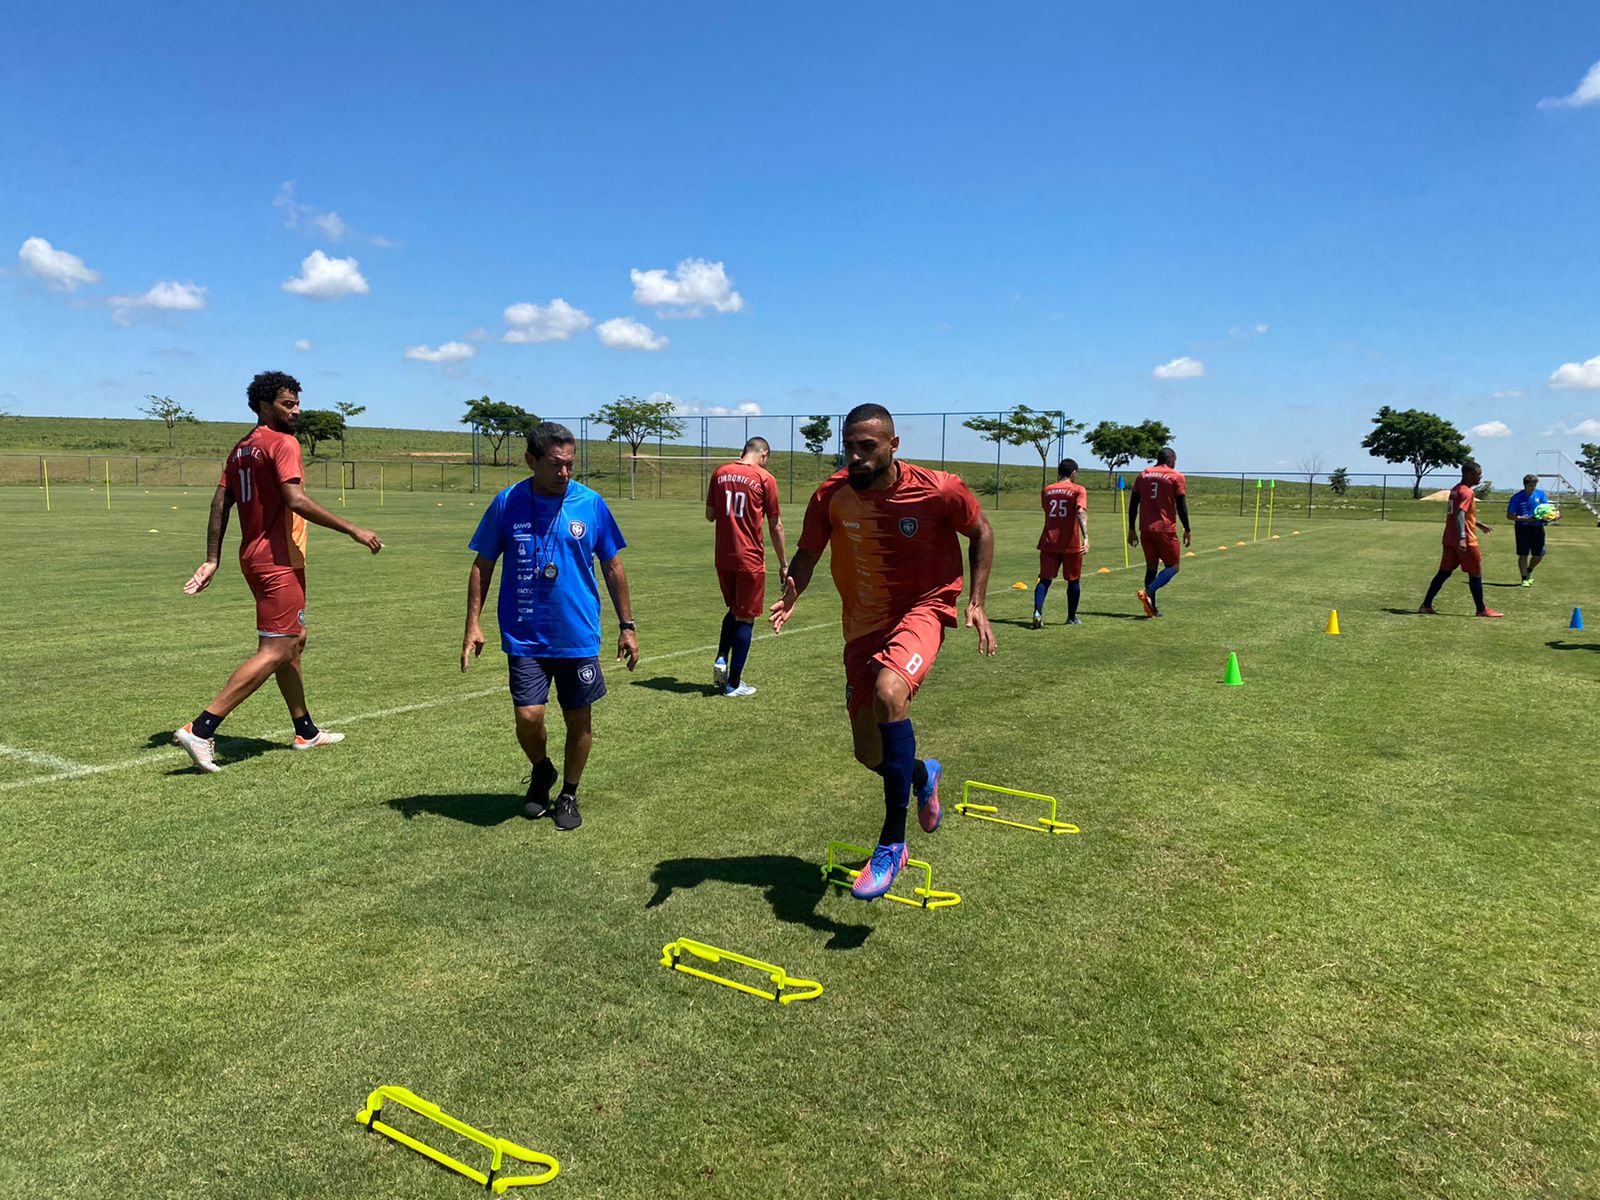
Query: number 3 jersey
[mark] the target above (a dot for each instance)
(1158, 490)
(1062, 501)
(273, 536)
(740, 497)
(894, 550)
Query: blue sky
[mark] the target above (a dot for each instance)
(1255, 221)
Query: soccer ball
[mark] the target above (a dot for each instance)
(1545, 512)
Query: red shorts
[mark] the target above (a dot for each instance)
(1068, 564)
(1160, 547)
(744, 592)
(1469, 560)
(280, 601)
(908, 649)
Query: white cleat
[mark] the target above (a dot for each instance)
(323, 738)
(202, 750)
(719, 673)
(744, 689)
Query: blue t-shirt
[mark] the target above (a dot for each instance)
(1524, 502)
(541, 617)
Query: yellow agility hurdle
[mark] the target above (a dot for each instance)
(987, 812)
(786, 988)
(500, 1148)
(840, 875)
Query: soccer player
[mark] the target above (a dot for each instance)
(1065, 539)
(551, 530)
(262, 477)
(740, 494)
(1530, 528)
(1159, 495)
(1461, 529)
(892, 528)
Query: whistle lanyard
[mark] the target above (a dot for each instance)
(544, 559)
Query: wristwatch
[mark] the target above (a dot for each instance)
(626, 625)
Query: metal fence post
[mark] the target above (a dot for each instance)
(1241, 494)
(944, 419)
(1310, 483)
(1383, 501)
(791, 460)
(135, 470)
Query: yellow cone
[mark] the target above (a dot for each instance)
(1238, 543)
(1221, 547)
(1188, 553)
(1019, 586)
(1103, 571)
(1333, 624)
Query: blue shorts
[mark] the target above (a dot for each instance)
(578, 681)
(1530, 540)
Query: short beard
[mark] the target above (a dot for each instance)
(863, 480)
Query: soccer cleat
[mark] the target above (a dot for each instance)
(1074, 621)
(567, 815)
(1038, 619)
(928, 810)
(537, 803)
(1428, 610)
(719, 673)
(1149, 604)
(323, 738)
(1489, 612)
(202, 750)
(1528, 582)
(741, 689)
(878, 876)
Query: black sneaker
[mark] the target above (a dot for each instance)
(567, 816)
(539, 783)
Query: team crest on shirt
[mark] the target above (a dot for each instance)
(908, 526)
(577, 528)
(586, 674)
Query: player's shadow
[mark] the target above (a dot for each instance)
(792, 885)
(678, 687)
(483, 809)
(1559, 645)
(1116, 616)
(1405, 612)
(229, 749)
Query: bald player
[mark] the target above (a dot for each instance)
(1159, 499)
(739, 495)
(893, 529)
(1065, 539)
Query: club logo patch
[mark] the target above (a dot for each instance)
(849, 695)
(577, 528)
(300, 617)
(908, 526)
(586, 674)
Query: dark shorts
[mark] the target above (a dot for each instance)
(280, 601)
(578, 681)
(1530, 540)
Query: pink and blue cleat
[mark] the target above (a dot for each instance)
(928, 810)
(878, 876)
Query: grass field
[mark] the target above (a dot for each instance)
(1335, 933)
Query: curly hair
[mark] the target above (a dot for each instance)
(264, 389)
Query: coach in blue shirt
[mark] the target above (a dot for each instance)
(550, 531)
(1530, 529)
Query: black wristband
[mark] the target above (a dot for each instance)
(625, 625)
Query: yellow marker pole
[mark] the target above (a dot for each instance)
(108, 485)
(1255, 531)
(1272, 499)
(341, 485)
(380, 485)
(46, 463)
(1122, 507)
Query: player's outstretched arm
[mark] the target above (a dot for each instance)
(478, 580)
(980, 558)
(617, 585)
(795, 581)
(216, 527)
(294, 495)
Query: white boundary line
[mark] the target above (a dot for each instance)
(66, 769)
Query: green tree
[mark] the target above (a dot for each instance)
(170, 412)
(497, 421)
(1118, 445)
(816, 433)
(1423, 439)
(1589, 462)
(1339, 481)
(1040, 430)
(633, 420)
(318, 425)
(347, 410)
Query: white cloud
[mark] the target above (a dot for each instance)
(332, 224)
(308, 218)
(693, 286)
(1263, 327)
(1585, 428)
(693, 408)
(303, 344)
(324, 278)
(1181, 368)
(1490, 429)
(1577, 375)
(480, 334)
(61, 270)
(1587, 92)
(450, 352)
(554, 322)
(624, 333)
(1514, 394)
(168, 294)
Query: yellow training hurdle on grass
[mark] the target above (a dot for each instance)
(500, 1148)
(988, 812)
(786, 988)
(926, 897)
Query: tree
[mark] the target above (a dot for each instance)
(1339, 481)
(1311, 464)
(1423, 439)
(634, 420)
(1589, 462)
(1040, 430)
(816, 433)
(497, 420)
(170, 412)
(1118, 445)
(318, 425)
(347, 410)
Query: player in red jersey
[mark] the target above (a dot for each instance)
(1461, 529)
(1065, 539)
(740, 494)
(262, 478)
(1159, 497)
(893, 530)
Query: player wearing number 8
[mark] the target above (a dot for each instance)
(892, 528)
(1159, 497)
(740, 494)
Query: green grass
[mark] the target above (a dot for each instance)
(1333, 933)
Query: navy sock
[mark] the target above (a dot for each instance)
(1074, 591)
(1433, 588)
(919, 774)
(205, 725)
(726, 640)
(743, 631)
(305, 727)
(1040, 591)
(1149, 574)
(1475, 582)
(899, 764)
(1160, 581)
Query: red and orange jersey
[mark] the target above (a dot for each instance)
(1158, 489)
(1462, 500)
(895, 550)
(741, 496)
(272, 535)
(1062, 501)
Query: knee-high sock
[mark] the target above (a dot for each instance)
(726, 641)
(1074, 590)
(899, 765)
(743, 631)
(1040, 591)
(1160, 581)
(1149, 574)
(1433, 588)
(1475, 582)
